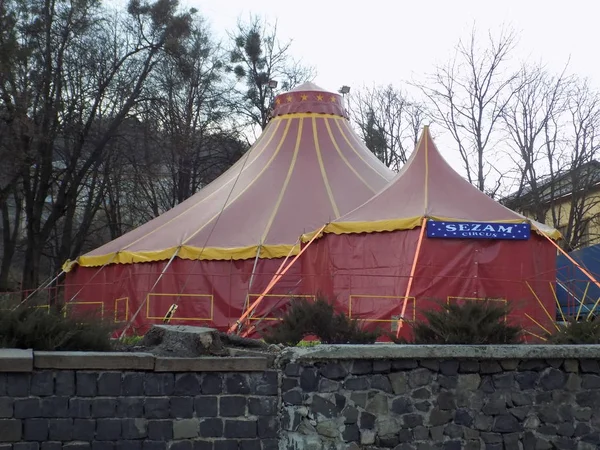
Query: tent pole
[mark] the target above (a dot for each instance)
(39, 288)
(274, 280)
(247, 302)
(146, 297)
(585, 272)
(412, 274)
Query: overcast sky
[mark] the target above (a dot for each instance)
(390, 41)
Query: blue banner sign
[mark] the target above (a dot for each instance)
(478, 230)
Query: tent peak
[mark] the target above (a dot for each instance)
(308, 98)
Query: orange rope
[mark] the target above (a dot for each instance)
(278, 275)
(412, 275)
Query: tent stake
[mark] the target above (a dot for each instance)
(412, 275)
(240, 322)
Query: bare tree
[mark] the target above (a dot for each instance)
(388, 122)
(82, 89)
(468, 95)
(258, 57)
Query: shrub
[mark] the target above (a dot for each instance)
(48, 329)
(306, 318)
(577, 332)
(481, 322)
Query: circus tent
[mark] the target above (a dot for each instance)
(431, 236)
(213, 252)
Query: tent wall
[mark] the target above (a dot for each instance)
(207, 293)
(367, 274)
(573, 286)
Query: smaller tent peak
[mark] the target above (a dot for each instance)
(308, 86)
(308, 98)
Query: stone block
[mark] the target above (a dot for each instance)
(589, 366)
(182, 445)
(357, 383)
(571, 365)
(382, 383)
(160, 430)
(86, 384)
(321, 405)
(206, 406)
(130, 407)
(15, 360)
(109, 384)
(128, 445)
(431, 364)
(468, 366)
(108, 429)
(329, 429)
(50, 445)
(489, 367)
(211, 427)
(399, 382)
(159, 384)
(104, 407)
(291, 383)
(361, 367)
(103, 445)
(292, 370)
(366, 421)
(6, 407)
(156, 408)
(42, 383)
(203, 445)
(212, 383)
(26, 446)
(154, 445)
(506, 424)
(55, 407)
(419, 377)
(226, 444)
(134, 428)
(262, 406)
(182, 407)
(132, 384)
(84, 429)
(267, 427)
(378, 404)
(64, 383)
(382, 366)
(439, 417)
(292, 397)
(80, 407)
(2, 384)
(35, 430)
(266, 383)
(446, 400)
(60, 429)
(186, 428)
(93, 360)
(367, 437)
(351, 433)
(26, 408)
(553, 379)
(412, 420)
(77, 446)
(309, 380)
(10, 430)
(402, 405)
(250, 444)
(17, 384)
(211, 364)
(333, 371)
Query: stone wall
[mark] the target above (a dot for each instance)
(324, 398)
(347, 400)
(186, 405)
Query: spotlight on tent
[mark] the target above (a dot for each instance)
(272, 84)
(344, 90)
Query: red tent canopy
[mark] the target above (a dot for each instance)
(215, 251)
(364, 259)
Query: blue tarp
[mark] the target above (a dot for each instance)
(572, 286)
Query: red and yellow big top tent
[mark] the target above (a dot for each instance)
(214, 252)
(431, 236)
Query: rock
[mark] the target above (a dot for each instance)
(419, 377)
(571, 365)
(333, 371)
(326, 385)
(421, 393)
(526, 380)
(565, 429)
(439, 417)
(402, 405)
(412, 420)
(378, 405)
(387, 425)
(328, 428)
(382, 383)
(506, 424)
(350, 415)
(463, 417)
(468, 382)
(357, 384)
(531, 422)
(573, 382)
(503, 381)
(446, 400)
(449, 368)
(489, 367)
(183, 340)
(553, 379)
(322, 406)
(589, 366)
(483, 422)
(399, 382)
(590, 382)
(367, 437)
